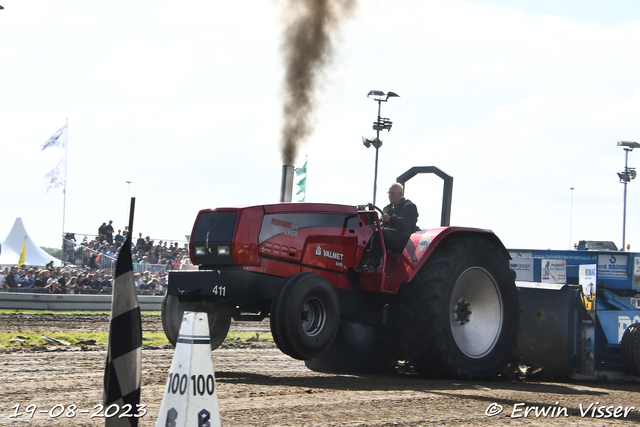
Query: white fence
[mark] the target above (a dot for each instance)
(70, 302)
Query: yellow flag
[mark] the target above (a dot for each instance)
(23, 253)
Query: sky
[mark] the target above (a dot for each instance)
(519, 101)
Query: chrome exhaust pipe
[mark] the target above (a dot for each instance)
(286, 187)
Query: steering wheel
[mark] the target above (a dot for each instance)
(369, 206)
(375, 207)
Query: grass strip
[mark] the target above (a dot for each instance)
(78, 338)
(68, 313)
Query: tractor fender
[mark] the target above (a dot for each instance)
(424, 243)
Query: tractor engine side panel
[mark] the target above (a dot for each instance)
(321, 240)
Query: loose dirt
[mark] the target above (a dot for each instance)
(260, 386)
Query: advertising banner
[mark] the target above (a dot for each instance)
(523, 268)
(553, 271)
(612, 266)
(636, 273)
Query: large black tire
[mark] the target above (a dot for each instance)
(631, 349)
(305, 316)
(357, 349)
(459, 316)
(173, 311)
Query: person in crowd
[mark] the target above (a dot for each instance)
(94, 259)
(111, 251)
(148, 244)
(63, 277)
(159, 287)
(81, 284)
(145, 262)
(51, 276)
(177, 262)
(186, 263)
(3, 278)
(153, 256)
(72, 285)
(145, 286)
(118, 239)
(27, 281)
(92, 284)
(98, 276)
(40, 282)
(102, 232)
(56, 288)
(69, 245)
(137, 281)
(12, 278)
(106, 285)
(140, 243)
(152, 286)
(109, 232)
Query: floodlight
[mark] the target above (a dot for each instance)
(625, 177)
(380, 124)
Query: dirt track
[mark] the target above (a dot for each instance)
(260, 386)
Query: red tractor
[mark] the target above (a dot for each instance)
(447, 305)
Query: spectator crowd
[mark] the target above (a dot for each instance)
(102, 251)
(58, 280)
(91, 266)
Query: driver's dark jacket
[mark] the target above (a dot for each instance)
(402, 222)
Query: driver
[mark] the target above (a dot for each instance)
(399, 219)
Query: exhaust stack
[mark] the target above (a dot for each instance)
(286, 188)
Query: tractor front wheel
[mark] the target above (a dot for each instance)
(173, 311)
(305, 316)
(459, 316)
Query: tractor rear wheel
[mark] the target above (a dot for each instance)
(357, 349)
(305, 316)
(173, 311)
(459, 317)
(631, 349)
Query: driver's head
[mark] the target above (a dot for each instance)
(395, 193)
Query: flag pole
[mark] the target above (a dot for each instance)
(306, 175)
(123, 370)
(64, 190)
(131, 210)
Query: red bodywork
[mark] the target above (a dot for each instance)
(288, 238)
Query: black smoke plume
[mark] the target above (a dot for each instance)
(307, 48)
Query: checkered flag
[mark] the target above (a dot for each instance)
(124, 354)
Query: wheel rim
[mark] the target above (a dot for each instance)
(476, 312)
(313, 316)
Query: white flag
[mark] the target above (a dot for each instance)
(56, 177)
(58, 139)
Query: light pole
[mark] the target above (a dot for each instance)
(625, 177)
(571, 221)
(380, 124)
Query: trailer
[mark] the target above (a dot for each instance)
(580, 311)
